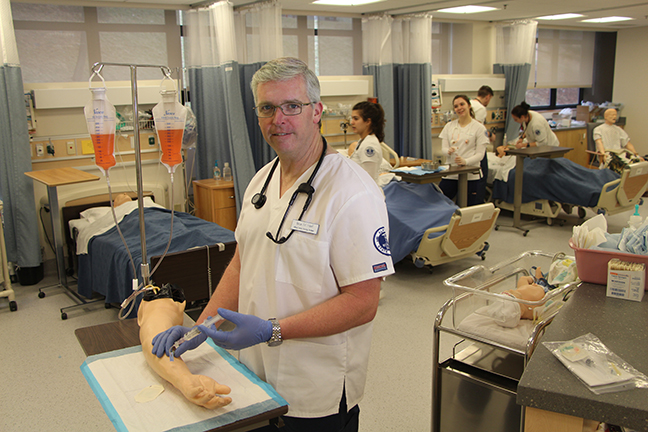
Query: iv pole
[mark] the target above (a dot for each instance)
(96, 68)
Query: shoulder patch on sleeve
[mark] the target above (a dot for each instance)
(380, 241)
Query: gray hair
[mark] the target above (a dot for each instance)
(284, 69)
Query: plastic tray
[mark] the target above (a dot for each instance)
(592, 263)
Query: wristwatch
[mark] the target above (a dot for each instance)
(275, 339)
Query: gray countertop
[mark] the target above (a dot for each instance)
(622, 325)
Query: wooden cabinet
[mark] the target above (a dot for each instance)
(214, 201)
(576, 139)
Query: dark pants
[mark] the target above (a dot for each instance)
(343, 421)
(450, 187)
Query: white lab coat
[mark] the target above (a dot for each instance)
(470, 141)
(539, 131)
(479, 110)
(368, 154)
(282, 280)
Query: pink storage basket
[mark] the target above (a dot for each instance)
(592, 263)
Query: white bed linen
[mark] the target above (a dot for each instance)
(498, 168)
(100, 221)
(483, 326)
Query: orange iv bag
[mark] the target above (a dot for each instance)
(169, 116)
(101, 120)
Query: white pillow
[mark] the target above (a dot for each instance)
(94, 213)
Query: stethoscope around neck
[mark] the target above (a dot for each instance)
(259, 199)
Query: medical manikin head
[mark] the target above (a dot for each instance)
(610, 116)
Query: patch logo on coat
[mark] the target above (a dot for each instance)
(369, 151)
(380, 241)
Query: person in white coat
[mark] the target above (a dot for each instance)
(535, 128)
(311, 253)
(368, 121)
(464, 140)
(479, 104)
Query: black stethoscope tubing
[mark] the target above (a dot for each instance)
(259, 199)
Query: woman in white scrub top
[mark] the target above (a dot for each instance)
(464, 140)
(536, 129)
(368, 121)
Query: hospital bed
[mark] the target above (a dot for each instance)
(554, 184)
(427, 226)
(475, 387)
(198, 254)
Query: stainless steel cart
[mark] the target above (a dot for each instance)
(475, 388)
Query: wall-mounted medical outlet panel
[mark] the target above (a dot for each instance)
(71, 148)
(40, 150)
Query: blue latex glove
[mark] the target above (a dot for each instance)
(250, 330)
(163, 342)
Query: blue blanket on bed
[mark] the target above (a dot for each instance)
(559, 180)
(107, 270)
(412, 209)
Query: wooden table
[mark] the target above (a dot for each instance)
(52, 178)
(462, 171)
(117, 335)
(532, 153)
(410, 161)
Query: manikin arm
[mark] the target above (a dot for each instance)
(156, 316)
(601, 149)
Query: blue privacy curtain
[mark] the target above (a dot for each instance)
(259, 39)
(16, 189)
(397, 52)
(514, 55)
(219, 94)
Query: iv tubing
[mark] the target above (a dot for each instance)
(112, 208)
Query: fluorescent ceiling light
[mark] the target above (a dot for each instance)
(345, 2)
(467, 9)
(606, 19)
(560, 17)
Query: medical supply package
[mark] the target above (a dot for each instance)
(596, 366)
(626, 280)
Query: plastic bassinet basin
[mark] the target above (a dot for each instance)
(592, 264)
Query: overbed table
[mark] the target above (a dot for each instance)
(52, 178)
(532, 153)
(555, 399)
(117, 335)
(462, 171)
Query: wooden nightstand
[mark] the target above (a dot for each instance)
(215, 202)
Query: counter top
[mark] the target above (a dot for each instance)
(622, 325)
(565, 128)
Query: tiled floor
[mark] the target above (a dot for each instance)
(42, 388)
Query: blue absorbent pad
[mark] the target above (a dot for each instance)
(118, 376)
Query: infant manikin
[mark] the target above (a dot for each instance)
(509, 313)
(158, 312)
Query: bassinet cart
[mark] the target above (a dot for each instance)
(475, 389)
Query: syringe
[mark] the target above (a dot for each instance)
(195, 331)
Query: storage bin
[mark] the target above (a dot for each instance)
(592, 263)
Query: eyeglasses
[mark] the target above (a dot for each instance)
(288, 109)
